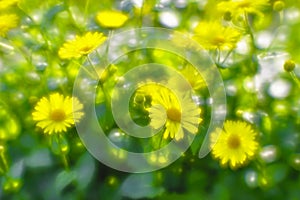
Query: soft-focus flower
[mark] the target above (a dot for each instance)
(240, 7)
(235, 144)
(4, 4)
(81, 45)
(212, 35)
(10, 128)
(278, 5)
(111, 18)
(193, 78)
(174, 113)
(56, 113)
(7, 22)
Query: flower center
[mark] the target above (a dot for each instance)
(58, 115)
(174, 114)
(219, 40)
(234, 142)
(244, 4)
(85, 49)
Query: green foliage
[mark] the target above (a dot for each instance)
(34, 165)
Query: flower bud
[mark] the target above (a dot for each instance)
(289, 65)
(227, 16)
(278, 6)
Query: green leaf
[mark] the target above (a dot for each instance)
(17, 169)
(105, 117)
(39, 158)
(140, 186)
(85, 169)
(277, 172)
(64, 179)
(195, 146)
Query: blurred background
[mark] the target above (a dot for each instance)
(260, 71)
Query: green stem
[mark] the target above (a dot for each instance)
(141, 15)
(161, 139)
(226, 57)
(218, 55)
(6, 46)
(4, 162)
(110, 34)
(20, 50)
(62, 153)
(67, 6)
(106, 95)
(249, 30)
(85, 69)
(65, 162)
(281, 17)
(254, 64)
(86, 9)
(254, 47)
(295, 78)
(37, 25)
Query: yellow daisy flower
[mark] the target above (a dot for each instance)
(174, 113)
(212, 35)
(238, 7)
(8, 22)
(81, 45)
(57, 113)
(4, 4)
(235, 144)
(111, 18)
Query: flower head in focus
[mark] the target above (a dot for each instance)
(234, 144)
(111, 18)
(81, 45)
(8, 22)
(212, 35)
(174, 113)
(56, 113)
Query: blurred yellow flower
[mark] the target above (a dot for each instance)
(148, 89)
(174, 113)
(212, 35)
(8, 22)
(10, 126)
(238, 7)
(4, 4)
(193, 78)
(235, 144)
(56, 113)
(111, 18)
(81, 45)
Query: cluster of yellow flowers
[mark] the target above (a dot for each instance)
(56, 113)
(236, 143)
(224, 33)
(176, 114)
(83, 45)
